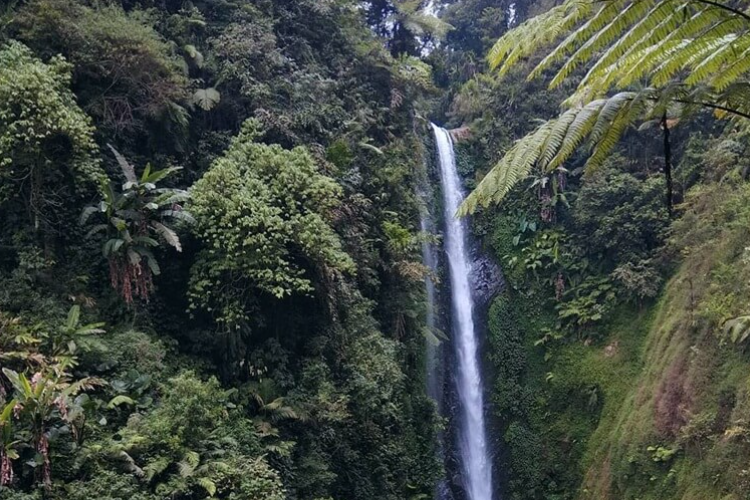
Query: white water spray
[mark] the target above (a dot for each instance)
(475, 461)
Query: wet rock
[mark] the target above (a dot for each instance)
(487, 278)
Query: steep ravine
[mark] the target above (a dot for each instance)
(655, 408)
(679, 430)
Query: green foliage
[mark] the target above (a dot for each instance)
(662, 454)
(587, 303)
(693, 54)
(525, 470)
(325, 399)
(628, 398)
(126, 72)
(620, 215)
(134, 220)
(194, 443)
(44, 135)
(263, 214)
(477, 24)
(42, 403)
(404, 21)
(376, 376)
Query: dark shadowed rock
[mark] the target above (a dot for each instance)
(487, 279)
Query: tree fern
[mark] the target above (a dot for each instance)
(598, 125)
(577, 132)
(512, 168)
(689, 53)
(615, 29)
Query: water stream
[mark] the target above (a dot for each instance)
(429, 259)
(472, 440)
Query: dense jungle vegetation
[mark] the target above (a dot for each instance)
(614, 139)
(210, 283)
(210, 274)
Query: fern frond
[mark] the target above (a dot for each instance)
(600, 123)
(188, 464)
(607, 35)
(627, 40)
(715, 61)
(155, 468)
(659, 20)
(511, 169)
(207, 485)
(606, 136)
(556, 136)
(732, 72)
(696, 49)
(577, 132)
(567, 46)
(608, 114)
(525, 39)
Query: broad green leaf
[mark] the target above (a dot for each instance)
(207, 98)
(120, 400)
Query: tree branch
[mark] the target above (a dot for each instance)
(667, 162)
(715, 106)
(725, 7)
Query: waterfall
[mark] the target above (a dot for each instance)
(433, 348)
(429, 258)
(472, 439)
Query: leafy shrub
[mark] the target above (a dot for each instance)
(376, 377)
(194, 443)
(619, 216)
(263, 216)
(639, 279)
(105, 485)
(44, 137)
(125, 73)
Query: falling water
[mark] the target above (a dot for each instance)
(433, 350)
(430, 260)
(475, 462)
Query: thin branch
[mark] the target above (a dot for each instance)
(667, 162)
(715, 106)
(725, 7)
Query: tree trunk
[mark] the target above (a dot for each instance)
(667, 163)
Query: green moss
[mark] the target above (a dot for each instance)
(656, 409)
(689, 385)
